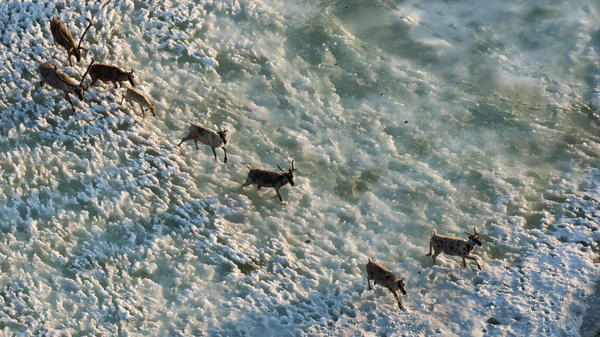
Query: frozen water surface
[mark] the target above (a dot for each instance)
(402, 117)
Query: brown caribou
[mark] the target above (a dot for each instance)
(63, 37)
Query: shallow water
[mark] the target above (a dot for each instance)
(402, 117)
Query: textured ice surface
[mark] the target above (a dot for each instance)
(401, 117)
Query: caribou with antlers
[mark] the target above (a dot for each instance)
(63, 37)
(269, 178)
(454, 246)
(207, 136)
(110, 73)
(61, 81)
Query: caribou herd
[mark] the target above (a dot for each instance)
(57, 79)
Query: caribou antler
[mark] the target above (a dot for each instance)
(85, 31)
(86, 72)
(474, 231)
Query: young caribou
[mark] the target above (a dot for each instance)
(57, 79)
(270, 178)
(386, 278)
(133, 95)
(207, 136)
(63, 37)
(110, 73)
(454, 246)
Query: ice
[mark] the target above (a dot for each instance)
(401, 119)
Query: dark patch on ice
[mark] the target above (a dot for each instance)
(246, 268)
(583, 243)
(493, 320)
(533, 220)
(590, 319)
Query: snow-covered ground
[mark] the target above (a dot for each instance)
(402, 117)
